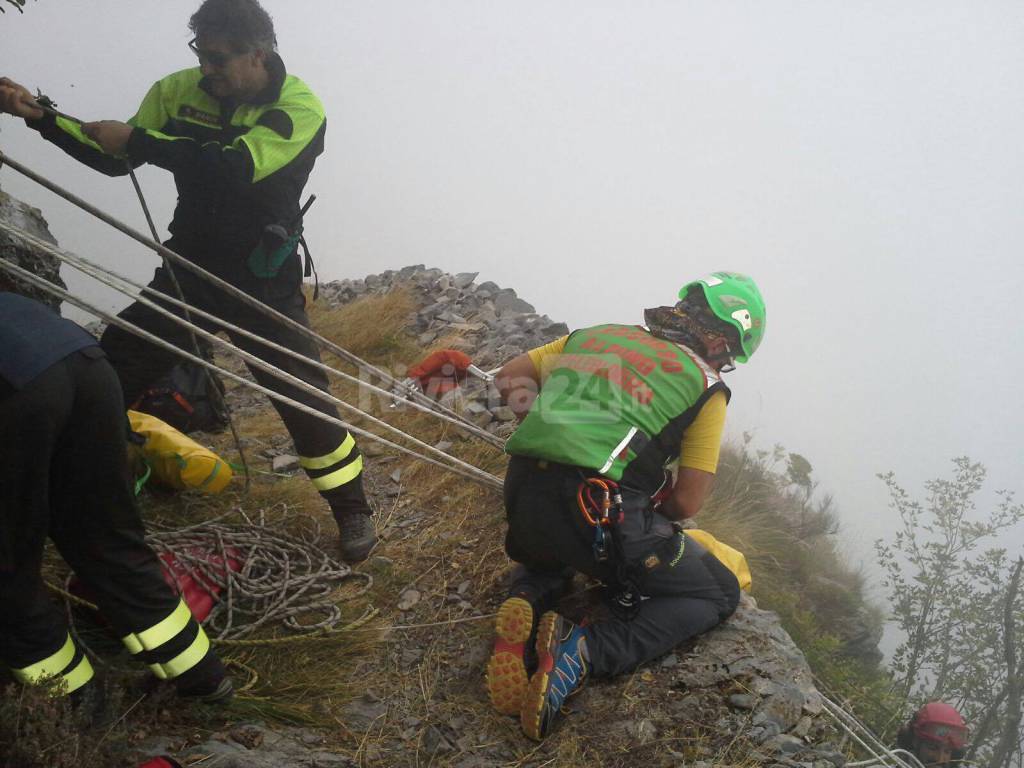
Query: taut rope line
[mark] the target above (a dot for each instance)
(458, 467)
(105, 275)
(118, 284)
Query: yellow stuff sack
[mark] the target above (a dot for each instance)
(178, 461)
(731, 558)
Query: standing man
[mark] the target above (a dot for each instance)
(240, 135)
(586, 490)
(63, 476)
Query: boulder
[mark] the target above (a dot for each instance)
(24, 216)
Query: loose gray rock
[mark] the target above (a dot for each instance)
(784, 743)
(507, 302)
(408, 599)
(435, 742)
(742, 701)
(286, 463)
(362, 712)
(785, 706)
(504, 413)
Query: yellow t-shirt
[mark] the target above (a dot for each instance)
(702, 440)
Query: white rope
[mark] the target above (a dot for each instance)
(104, 275)
(267, 368)
(227, 287)
(118, 283)
(458, 466)
(880, 753)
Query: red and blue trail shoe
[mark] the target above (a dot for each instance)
(561, 669)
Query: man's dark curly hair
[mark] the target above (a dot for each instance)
(242, 23)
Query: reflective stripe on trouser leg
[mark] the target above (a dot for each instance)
(68, 663)
(334, 469)
(172, 646)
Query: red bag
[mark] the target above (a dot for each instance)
(198, 591)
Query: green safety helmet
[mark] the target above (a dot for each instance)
(735, 299)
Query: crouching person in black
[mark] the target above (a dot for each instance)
(586, 491)
(63, 476)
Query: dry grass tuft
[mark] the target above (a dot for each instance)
(373, 328)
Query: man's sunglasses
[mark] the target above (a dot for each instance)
(213, 58)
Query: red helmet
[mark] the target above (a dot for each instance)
(940, 723)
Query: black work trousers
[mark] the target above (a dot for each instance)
(685, 589)
(138, 362)
(64, 475)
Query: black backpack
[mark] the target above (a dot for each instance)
(184, 399)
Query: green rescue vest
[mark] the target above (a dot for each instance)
(617, 401)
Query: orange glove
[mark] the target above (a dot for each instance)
(444, 362)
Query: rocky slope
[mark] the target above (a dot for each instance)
(741, 694)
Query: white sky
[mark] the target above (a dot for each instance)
(862, 160)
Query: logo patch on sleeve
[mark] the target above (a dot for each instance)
(191, 113)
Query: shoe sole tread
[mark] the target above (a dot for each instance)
(531, 715)
(506, 670)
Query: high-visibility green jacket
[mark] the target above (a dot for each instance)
(617, 402)
(238, 166)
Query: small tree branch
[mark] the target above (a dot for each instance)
(1009, 740)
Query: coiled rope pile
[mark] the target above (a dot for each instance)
(281, 578)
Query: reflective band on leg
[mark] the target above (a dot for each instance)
(323, 462)
(51, 665)
(160, 632)
(185, 660)
(344, 475)
(79, 676)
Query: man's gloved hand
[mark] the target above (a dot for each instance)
(17, 100)
(444, 362)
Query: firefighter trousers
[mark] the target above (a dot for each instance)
(327, 452)
(63, 475)
(685, 590)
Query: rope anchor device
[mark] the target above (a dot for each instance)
(601, 513)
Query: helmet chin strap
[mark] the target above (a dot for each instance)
(718, 354)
